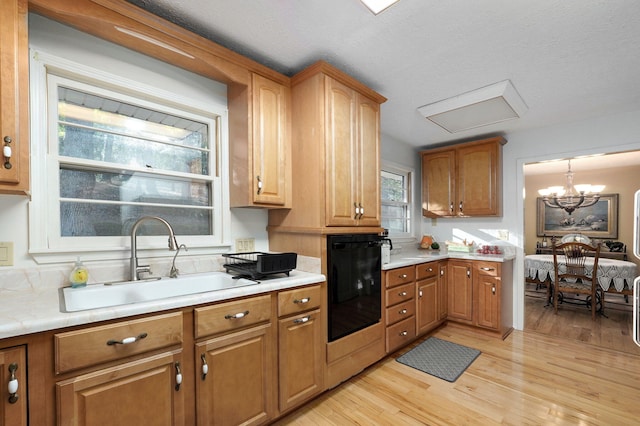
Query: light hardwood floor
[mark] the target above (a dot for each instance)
(530, 378)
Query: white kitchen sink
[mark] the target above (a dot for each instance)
(96, 296)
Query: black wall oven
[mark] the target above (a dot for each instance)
(354, 280)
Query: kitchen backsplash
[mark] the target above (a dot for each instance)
(33, 278)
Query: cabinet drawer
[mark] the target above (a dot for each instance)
(95, 345)
(400, 276)
(488, 268)
(299, 300)
(401, 334)
(426, 270)
(400, 294)
(231, 315)
(399, 312)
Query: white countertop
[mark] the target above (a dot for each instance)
(414, 257)
(38, 309)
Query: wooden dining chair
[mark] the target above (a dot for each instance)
(570, 274)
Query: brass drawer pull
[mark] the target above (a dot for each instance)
(403, 276)
(178, 376)
(301, 320)
(237, 316)
(13, 384)
(402, 312)
(487, 269)
(403, 333)
(402, 294)
(127, 340)
(205, 366)
(302, 301)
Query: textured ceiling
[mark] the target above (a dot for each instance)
(569, 59)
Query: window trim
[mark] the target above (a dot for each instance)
(46, 251)
(409, 172)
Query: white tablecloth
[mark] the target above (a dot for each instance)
(620, 273)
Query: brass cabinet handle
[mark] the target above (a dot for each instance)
(493, 290)
(451, 207)
(13, 383)
(361, 211)
(178, 376)
(403, 276)
(127, 340)
(259, 185)
(403, 333)
(205, 366)
(302, 301)
(301, 320)
(7, 152)
(237, 316)
(402, 293)
(460, 206)
(484, 268)
(356, 211)
(402, 311)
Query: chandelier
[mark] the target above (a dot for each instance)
(571, 197)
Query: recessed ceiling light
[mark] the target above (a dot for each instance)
(488, 105)
(377, 6)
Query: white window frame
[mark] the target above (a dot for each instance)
(409, 174)
(45, 243)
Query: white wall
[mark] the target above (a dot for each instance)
(615, 133)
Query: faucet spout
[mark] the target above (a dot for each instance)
(136, 269)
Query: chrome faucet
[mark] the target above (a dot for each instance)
(137, 269)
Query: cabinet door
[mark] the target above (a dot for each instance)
(240, 386)
(459, 291)
(368, 162)
(341, 148)
(427, 304)
(478, 186)
(13, 366)
(142, 392)
(301, 360)
(486, 310)
(438, 184)
(14, 97)
(271, 154)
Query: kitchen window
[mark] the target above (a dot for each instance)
(396, 199)
(117, 150)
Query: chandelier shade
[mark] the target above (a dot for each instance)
(571, 197)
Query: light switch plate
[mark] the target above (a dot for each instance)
(245, 245)
(6, 253)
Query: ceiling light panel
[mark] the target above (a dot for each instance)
(482, 107)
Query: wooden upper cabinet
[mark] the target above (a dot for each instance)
(259, 144)
(14, 97)
(335, 154)
(352, 157)
(438, 183)
(463, 180)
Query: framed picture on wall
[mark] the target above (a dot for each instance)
(597, 221)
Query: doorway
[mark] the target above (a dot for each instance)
(621, 174)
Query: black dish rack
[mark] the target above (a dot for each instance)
(257, 265)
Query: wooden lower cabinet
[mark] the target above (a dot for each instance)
(427, 315)
(240, 385)
(142, 392)
(400, 307)
(13, 369)
(301, 358)
(459, 284)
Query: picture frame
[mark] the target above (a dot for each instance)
(597, 221)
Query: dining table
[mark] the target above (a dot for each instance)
(613, 275)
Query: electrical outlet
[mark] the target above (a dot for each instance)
(503, 234)
(244, 245)
(6, 253)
